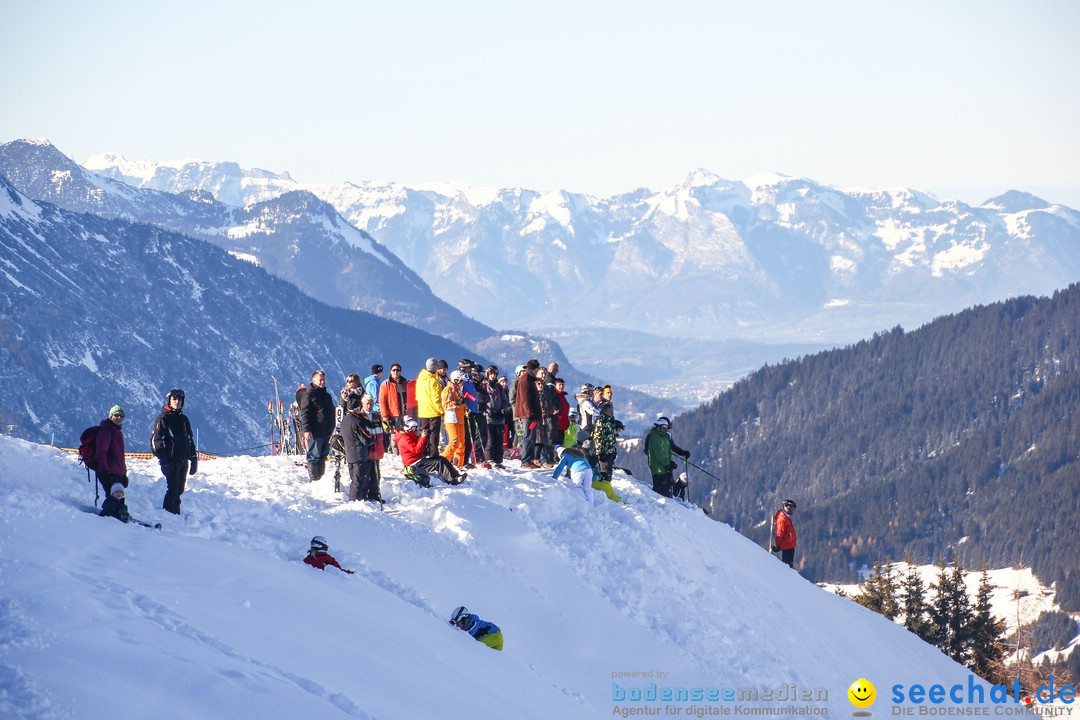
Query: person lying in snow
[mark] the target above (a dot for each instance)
(318, 557)
(482, 630)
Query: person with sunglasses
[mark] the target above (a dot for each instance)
(393, 398)
(109, 451)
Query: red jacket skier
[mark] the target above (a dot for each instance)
(318, 557)
(784, 537)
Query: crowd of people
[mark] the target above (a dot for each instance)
(446, 422)
(441, 424)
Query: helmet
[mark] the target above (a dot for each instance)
(175, 393)
(319, 543)
(464, 363)
(585, 389)
(790, 504)
(573, 415)
(457, 377)
(663, 422)
(460, 614)
(410, 423)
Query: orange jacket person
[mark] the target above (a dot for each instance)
(784, 537)
(454, 419)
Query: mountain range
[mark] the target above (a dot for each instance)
(771, 258)
(96, 311)
(299, 238)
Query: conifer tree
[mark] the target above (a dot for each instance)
(913, 603)
(878, 592)
(987, 635)
(959, 645)
(950, 613)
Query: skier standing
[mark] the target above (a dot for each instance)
(393, 394)
(317, 422)
(429, 407)
(358, 442)
(495, 415)
(658, 448)
(174, 447)
(784, 540)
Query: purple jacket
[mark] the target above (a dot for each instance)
(109, 449)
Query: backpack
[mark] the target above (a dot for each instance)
(604, 437)
(88, 447)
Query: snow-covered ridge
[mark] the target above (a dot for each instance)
(215, 614)
(757, 258)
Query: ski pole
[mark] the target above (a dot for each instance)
(95, 486)
(701, 469)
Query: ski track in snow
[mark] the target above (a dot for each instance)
(130, 603)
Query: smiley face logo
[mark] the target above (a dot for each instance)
(862, 693)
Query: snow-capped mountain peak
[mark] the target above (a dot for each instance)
(762, 258)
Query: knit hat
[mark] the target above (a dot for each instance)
(376, 369)
(116, 410)
(582, 436)
(431, 365)
(116, 487)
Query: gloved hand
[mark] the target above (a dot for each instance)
(773, 548)
(685, 455)
(194, 465)
(672, 465)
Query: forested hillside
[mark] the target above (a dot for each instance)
(959, 439)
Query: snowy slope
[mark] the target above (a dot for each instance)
(215, 615)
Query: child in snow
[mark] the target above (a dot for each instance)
(577, 466)
(570, 436)
(114, 505)
(318, 557)
(482, 630)
(584, 442)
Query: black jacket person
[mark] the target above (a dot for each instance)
(174, 447)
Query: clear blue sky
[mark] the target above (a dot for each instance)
(964, 99)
